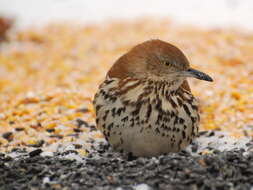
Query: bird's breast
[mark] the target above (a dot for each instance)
(147, 100)
(130, 110)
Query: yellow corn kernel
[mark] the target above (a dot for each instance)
(98, 135)
(71, 117)
(236, 95)
(31, 141)
(206, 152)
(83, 152)
(50, 125)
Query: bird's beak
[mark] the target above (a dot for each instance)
(197, 74)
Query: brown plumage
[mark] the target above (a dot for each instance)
(145, 105)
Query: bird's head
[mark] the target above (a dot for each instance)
(156, 60)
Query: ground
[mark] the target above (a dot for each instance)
(50, 74)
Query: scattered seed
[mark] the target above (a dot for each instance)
(35, 152)
(8, 136)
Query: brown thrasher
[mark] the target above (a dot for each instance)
(145, 105)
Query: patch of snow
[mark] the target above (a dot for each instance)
(50, 154)
(73, 156)
(219, 140)
(142, 187)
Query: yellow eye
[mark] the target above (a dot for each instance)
(167, 63)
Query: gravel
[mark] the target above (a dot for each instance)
(103, 169)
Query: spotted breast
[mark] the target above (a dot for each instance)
(145, 117)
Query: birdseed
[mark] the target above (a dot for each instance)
(106, 170)
(50, 74)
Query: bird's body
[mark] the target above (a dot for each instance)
(143, 112)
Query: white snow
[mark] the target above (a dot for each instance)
(221, 141)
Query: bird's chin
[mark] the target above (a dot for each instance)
(175, 84)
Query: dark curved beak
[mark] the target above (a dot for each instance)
(198, 75)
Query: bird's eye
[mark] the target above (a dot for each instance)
(167, 63)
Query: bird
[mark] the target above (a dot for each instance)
(145, 106)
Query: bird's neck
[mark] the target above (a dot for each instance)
(169, 85)
(136, 89)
